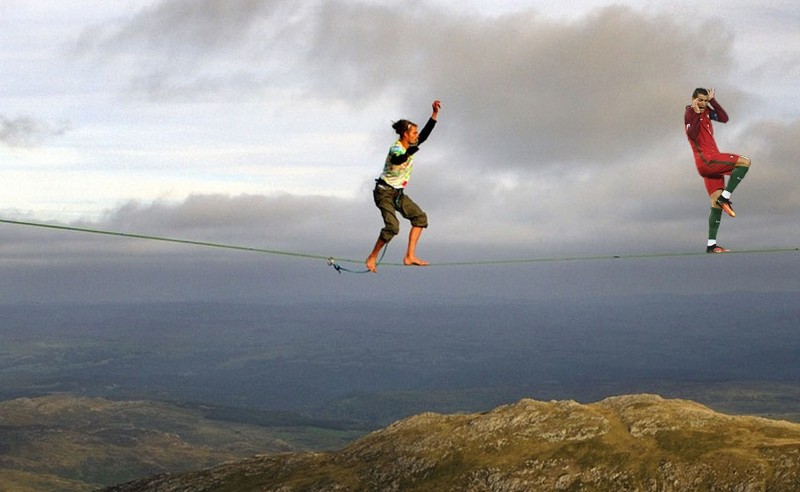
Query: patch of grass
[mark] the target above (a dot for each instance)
(20, 481)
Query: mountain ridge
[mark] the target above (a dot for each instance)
(637, 442)
(71, 443)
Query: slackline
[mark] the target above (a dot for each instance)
(165, 239)
(334, 261)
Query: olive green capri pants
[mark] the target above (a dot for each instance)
(390, 200)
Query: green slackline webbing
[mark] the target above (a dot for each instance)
(169, 240)
(612, 257)
(333, 262)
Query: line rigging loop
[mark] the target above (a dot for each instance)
(340, 268)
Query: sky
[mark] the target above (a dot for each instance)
(264, 123)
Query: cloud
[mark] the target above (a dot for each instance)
(537, 91)
(51, 265)
(311, 223)
(773, 148)
(522, 79)
(176, 48)
(25, 131)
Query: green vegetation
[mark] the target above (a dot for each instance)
(20, 481)
(638, 442)
(77, 443)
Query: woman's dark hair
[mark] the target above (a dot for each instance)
(402, 126)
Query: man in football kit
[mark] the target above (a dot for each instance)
(389, 189)
(712, 164)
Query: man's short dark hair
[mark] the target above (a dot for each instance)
(698, 91)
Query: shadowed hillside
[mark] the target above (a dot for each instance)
(73, 444)
(626, 443)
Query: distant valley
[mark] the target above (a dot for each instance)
(317, 376)
(69, 443)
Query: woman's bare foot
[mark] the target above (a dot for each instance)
(414, 261)
(372, 264)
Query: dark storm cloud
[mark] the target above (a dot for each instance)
(551, 91)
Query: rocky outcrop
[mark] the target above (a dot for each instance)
(626, 443)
